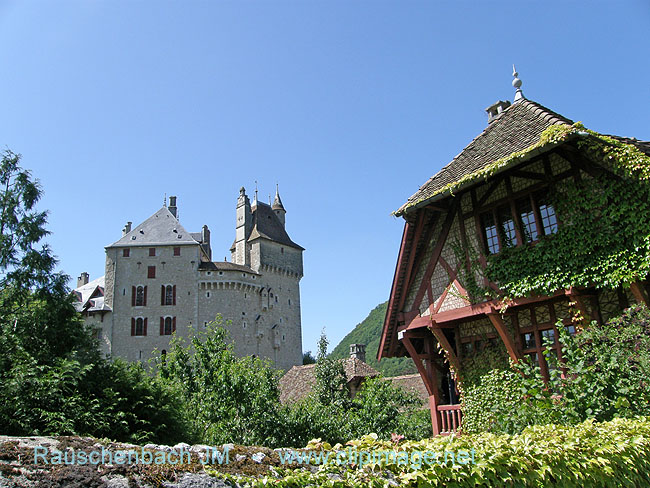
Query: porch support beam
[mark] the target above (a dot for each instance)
(640, 293)
(429, 376)
(439, 334)
(502, 330)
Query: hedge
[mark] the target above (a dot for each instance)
(591, 454)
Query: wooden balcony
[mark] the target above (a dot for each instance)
(450, 419)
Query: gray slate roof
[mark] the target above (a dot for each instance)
(226, 266)
(515, 129)
(162, 228)
(266, 225)
(90, 297)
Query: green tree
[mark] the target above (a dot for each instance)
(331, 383)
(227, 399)
(52, 378)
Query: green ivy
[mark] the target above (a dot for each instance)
(591, 454)
(603, 240)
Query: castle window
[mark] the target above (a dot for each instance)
(151, 272)
(177, 251)
(138, 326)
(168, 294)
(167, 325)
(289, 301)
(139, 296)
(282, 250)
(152, 251)
(207, 294)
(126, 252)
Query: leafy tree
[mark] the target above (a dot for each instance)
(52, 378)
(307, 358)
(227, 399)
(331, 383)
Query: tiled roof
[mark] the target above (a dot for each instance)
(299, 381)
(226, 266)
(412, 383)
(162, 228)
(266, 225)
(515, 129)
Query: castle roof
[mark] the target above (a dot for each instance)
(90, 297)
(266, 225)
(226, 266)
(518, 127)
(162, 228)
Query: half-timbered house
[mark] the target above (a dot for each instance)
(495, 195)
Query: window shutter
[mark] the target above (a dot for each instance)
(162, 326)
(145, 327)
(133, 296)
(174, 295)
(132, 326)
(173, 325)
(145, 296)
(162, 294)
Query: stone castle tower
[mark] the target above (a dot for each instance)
(161, 279)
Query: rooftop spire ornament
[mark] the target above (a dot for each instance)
(519, 95)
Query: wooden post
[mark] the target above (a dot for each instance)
(502, 330)
(451, 355)
(429, 376)
(640, 294)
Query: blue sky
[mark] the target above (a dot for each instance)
(350, 106)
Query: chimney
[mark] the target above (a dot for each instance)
(495, 109)
(205, 241)
(83, 278)
(126, 229)
(172, 207)
(358, 351)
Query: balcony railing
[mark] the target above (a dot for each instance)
(451, 418)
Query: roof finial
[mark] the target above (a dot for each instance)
(255, 201)
(519, 95)
(277, 203)
(165, 200)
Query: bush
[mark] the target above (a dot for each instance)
(225, 398)
(606, 375)
(615, 453)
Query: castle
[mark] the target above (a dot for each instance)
(160, 279)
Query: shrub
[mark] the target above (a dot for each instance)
(591, 454)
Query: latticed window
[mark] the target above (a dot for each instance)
(547, 212)
(490, 229)
(527, 219)
(534, 216)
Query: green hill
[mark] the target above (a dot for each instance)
(368, 332)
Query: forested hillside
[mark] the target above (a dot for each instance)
(369, 332)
